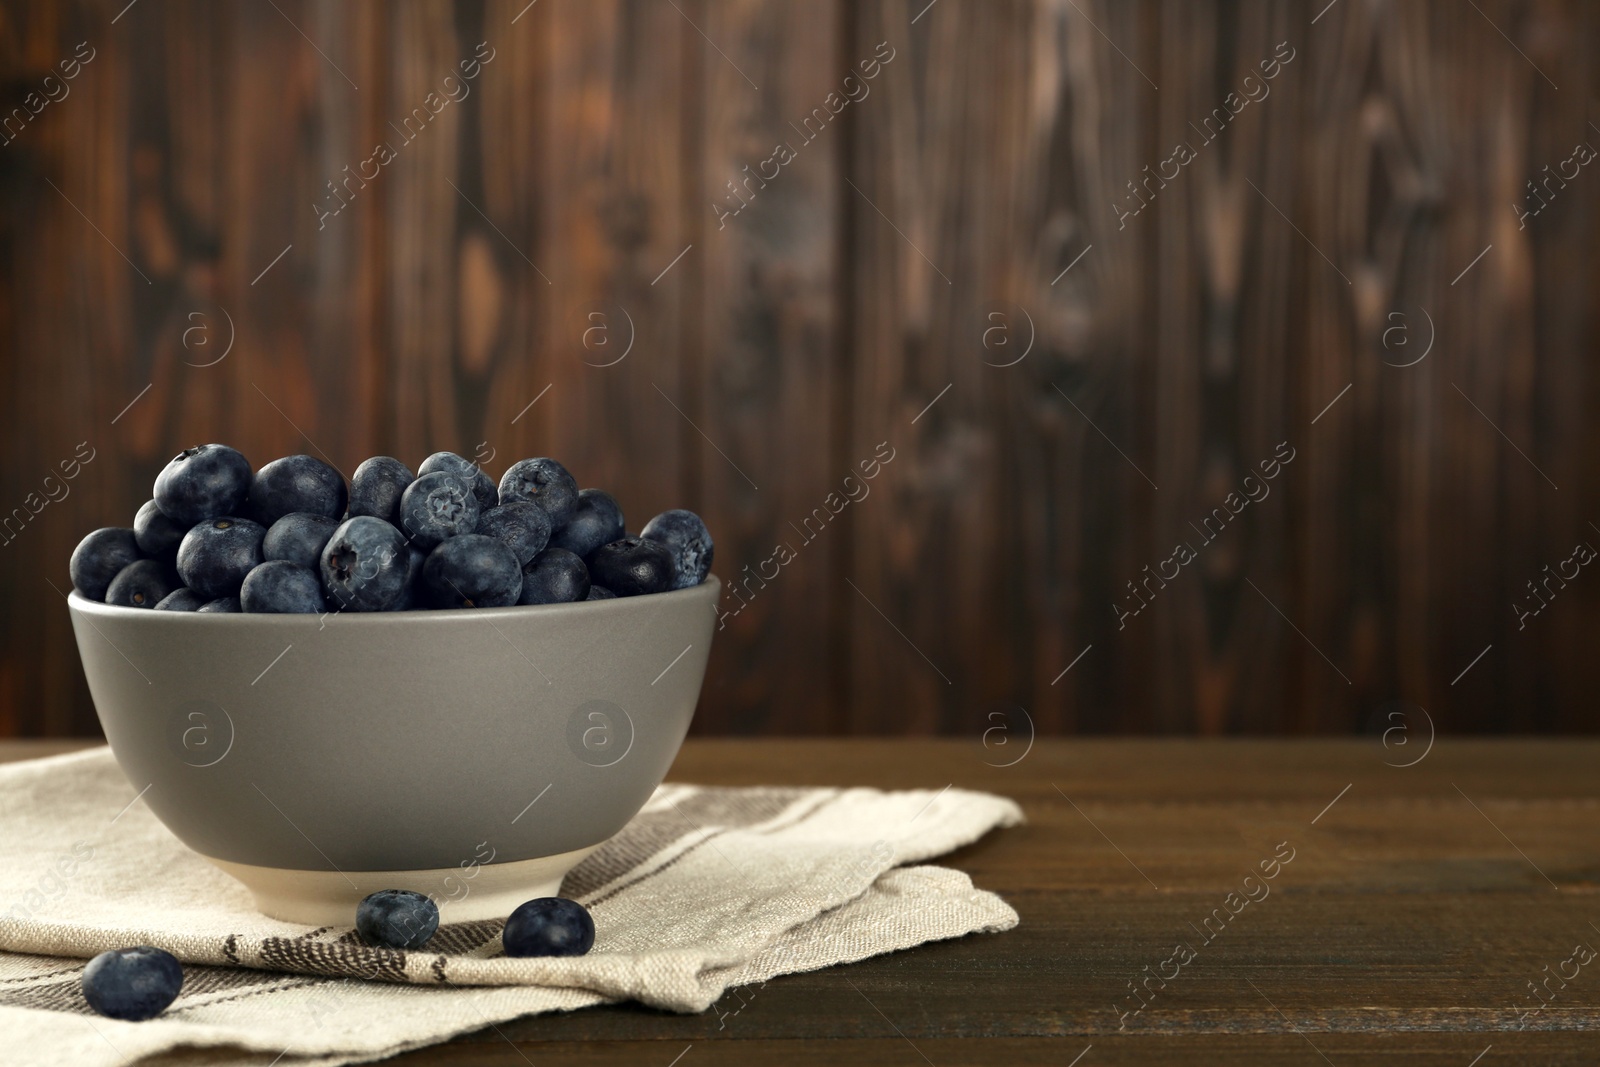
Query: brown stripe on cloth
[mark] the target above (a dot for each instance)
(458, 939)
(57, 994)
(332, 958)
(40, 976)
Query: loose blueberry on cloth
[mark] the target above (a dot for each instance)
(707, 888)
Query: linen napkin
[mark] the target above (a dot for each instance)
(705, 889)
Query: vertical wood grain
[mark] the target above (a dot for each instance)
(614, 164)
(1222, 284)
(438, 240)
(767, 233)
(930, 221)
(931, 211)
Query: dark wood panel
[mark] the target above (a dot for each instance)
(614, 166)
(980, 193)
(1224, 283)
(764, 207)
(931, 219)
(175, 194)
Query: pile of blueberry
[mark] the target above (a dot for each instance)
(291, 537)
(134, 984)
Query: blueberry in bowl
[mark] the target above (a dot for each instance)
(522, 526)
(376, 488)
(391, 723)
(184, 599)
(437, 506)
(297, 483)
(298, 537)
(365, 564)
(215, 556)
(554, 576)
(596, 520)
(142, 584)
(100, 557)
(201, 483)
(472, 571)
(471, 475)
(633, 566)
(281, 587)
(156, 534)
(544, 482)
(686, 535)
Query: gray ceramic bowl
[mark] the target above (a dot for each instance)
(476, 755)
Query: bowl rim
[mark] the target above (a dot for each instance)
(709, 589)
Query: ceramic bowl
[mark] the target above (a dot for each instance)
(474, 755)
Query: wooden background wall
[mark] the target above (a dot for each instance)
(1098, 382)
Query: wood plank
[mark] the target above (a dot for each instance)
(446, 263)
(770, 471)
(1403, 914)
(1549, 389)
(930, 223)
(614, 165)
(500, 325)
(1427, 1050)
(1073, 502)
(1222, 651)
(811, 328)
(69, 294)
(160, 140)
(306, 344)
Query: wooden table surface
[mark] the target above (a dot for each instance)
(1409, 914)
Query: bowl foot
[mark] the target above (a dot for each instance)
(329, 898)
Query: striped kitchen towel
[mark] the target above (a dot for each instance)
(706, 889)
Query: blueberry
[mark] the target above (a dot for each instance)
(472, 571)
(297, 483)
(279, 587)
(298, 537)
(224, 605)
(216, 555)
(413, 594)
(132, 984)
(376, 486)
(544, 482)
(437, 506)
(99, 558)
(184, 599)
(596, 521)
(690, 542)
(548, 926)
(470, 473)
(203, 483)
(633, 567)
(554, 576)
(600, 592)
(142, 584)
(522, 526)
(396, 918)
(157, 535)
(364, 565)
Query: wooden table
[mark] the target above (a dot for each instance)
(1407, 912)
